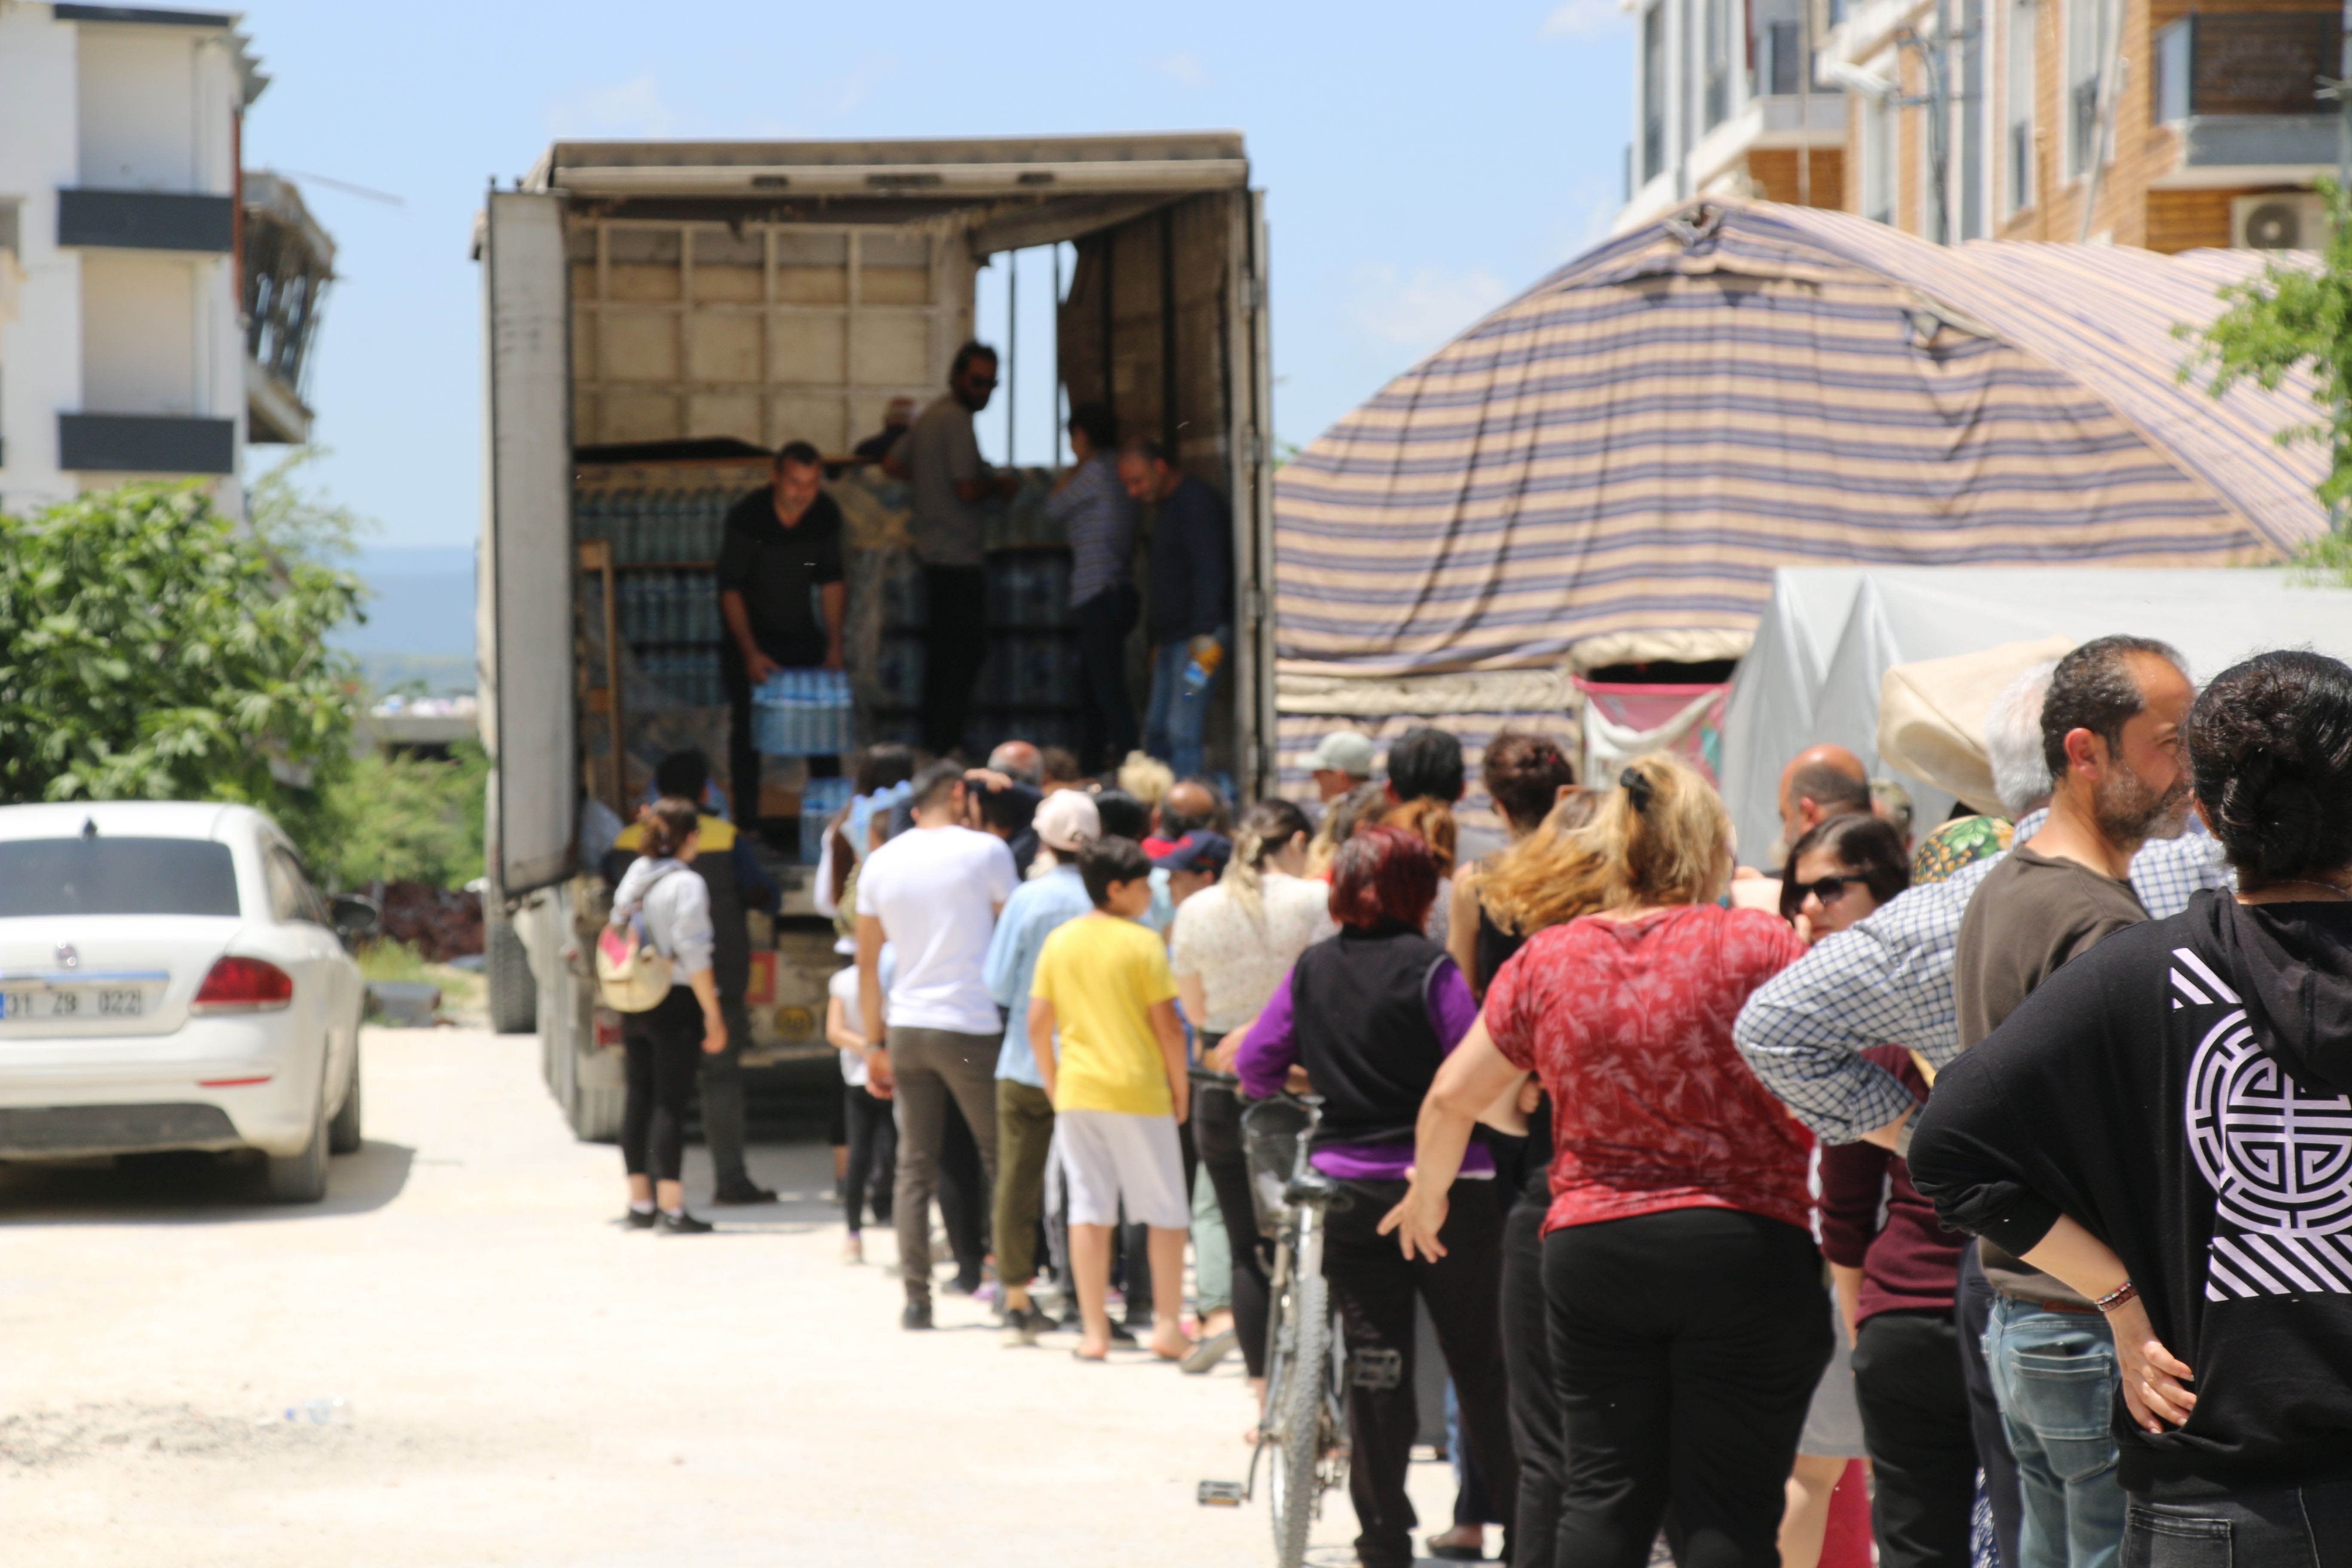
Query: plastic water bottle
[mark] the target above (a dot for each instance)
(335, 1412)
(1196, 675)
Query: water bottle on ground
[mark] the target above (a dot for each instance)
(335, 1412)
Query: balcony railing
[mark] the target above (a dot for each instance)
(2244, 63)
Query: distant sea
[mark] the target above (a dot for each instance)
(419, 632)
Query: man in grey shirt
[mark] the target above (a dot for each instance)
(939, 458)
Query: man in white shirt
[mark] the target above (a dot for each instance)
(933, 893)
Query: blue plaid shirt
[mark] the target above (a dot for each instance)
(1099, 518)
(1887, 980)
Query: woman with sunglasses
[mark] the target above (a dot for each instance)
(1839, 872)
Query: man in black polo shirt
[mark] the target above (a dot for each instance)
(783, 541)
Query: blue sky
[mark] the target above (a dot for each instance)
(1422, 165)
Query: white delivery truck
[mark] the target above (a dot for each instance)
(658, 317)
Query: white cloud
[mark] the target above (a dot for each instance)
(1582, 18)
(1185, 68)
(1421, 309)
(632, 107)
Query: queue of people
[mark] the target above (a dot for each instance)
(2011, 1163)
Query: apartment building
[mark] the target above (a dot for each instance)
(155, 313)
(1723, 105)
(2158, 124)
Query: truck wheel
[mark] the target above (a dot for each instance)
(343, 1131)
(514, 993)
(301, 1178)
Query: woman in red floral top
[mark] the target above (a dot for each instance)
(1688, 1321)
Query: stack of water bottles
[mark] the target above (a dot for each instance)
(820, 798)
(802, 713)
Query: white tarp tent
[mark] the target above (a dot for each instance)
(1900, 615)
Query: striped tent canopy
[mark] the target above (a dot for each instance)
(1612, 465)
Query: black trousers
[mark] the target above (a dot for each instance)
(873, 1155)
(1107, 731)
(1373, 1287)
(1685, 1346)
(1914, 1422)
(2275, 1527)
(1971, 1309)
(955, 641)
(1217, 1133)
(723, 1116)
(662, 1051)
(1526, 1358)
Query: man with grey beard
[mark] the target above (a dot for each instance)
(2111, 734)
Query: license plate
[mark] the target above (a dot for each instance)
(74, 1003)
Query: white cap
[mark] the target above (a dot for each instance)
(1067, 821)
(1343, 752)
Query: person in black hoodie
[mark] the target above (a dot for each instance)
(2165, 1126)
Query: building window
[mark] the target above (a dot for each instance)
(2017, 101)
(2089, 31)
(1654, 91)
(1717, 27)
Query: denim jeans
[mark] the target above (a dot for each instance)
(1172, 726)
(2054, 1373)
(2280, 1527)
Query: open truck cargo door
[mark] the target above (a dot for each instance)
(528, 721)
(1252, 496)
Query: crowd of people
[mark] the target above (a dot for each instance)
(2007, 1157)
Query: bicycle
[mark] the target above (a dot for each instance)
(1302, 1430)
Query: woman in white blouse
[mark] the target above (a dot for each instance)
(664, 1045)
(1230, 947)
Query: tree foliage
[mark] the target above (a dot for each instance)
(2295, 318)
(152, 647)
(404, 819)
(301, 524)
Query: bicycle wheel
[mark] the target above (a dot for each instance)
(1295, 1481)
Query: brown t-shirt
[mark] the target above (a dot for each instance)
(2031, 914)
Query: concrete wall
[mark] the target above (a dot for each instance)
(40, 351)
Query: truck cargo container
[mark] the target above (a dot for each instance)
(659, 317)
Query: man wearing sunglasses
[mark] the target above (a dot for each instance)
(939, 458)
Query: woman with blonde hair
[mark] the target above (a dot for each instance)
(1229, 947)
(1688, 1320)
(1530, 779)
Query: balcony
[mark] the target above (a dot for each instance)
(2240, 90)
(146, 220)
(290, 260)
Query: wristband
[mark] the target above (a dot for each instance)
(2125, 1292)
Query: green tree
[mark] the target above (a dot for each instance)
(297, 523)
(404, 819)
(2295, 318)
(152, 647)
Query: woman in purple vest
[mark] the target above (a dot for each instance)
(1368, 1015)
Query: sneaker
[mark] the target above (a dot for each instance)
(1023, 1325)
(1205, 1356)
(681, 1224)
(639, 1219)
(1120, 1334)
(961, 1286)
(853, 1250)
(743, 1193)
(917, 1315)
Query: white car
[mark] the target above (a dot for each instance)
(168, 979)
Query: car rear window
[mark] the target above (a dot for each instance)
(116, 876)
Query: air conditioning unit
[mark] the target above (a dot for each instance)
(2286, 220)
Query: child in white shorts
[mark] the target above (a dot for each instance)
(1103, 1027)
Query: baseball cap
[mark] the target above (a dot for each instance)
(1066, 820)
(1197, 851)
(1343, 752)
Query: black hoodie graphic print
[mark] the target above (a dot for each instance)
(2184, 1091)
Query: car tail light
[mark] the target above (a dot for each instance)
(244, 985)
(608, 1027)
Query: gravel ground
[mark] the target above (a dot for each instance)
(527, 1382)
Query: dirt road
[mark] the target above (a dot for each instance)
(527, 1383)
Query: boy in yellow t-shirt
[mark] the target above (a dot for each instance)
(1103, 1027)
